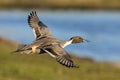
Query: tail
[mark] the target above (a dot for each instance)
(20, 49)
(16, 51)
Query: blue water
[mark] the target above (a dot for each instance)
(102, 28)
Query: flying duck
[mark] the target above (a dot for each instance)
(45, 42)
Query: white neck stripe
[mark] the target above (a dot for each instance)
(67, 43)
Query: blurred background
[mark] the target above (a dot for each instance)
(94, 20)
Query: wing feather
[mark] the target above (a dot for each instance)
(39, 28)
(60, 55)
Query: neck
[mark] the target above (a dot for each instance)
(67, 43)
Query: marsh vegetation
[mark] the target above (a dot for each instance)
(43, 67)
(61, 4)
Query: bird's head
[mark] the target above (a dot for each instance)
(78, 39)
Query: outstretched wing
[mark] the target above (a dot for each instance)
(60, 55)
(39, 29)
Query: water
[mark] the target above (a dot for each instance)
(102, 28)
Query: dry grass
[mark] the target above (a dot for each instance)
(61, 4)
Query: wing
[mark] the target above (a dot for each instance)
(60, 55)
(39, 29)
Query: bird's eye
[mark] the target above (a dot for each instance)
(70, 38)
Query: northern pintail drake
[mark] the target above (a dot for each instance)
(45, 42)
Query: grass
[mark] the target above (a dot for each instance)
(61, 4)
(43, 67)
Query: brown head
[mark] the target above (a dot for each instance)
(78, 39)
